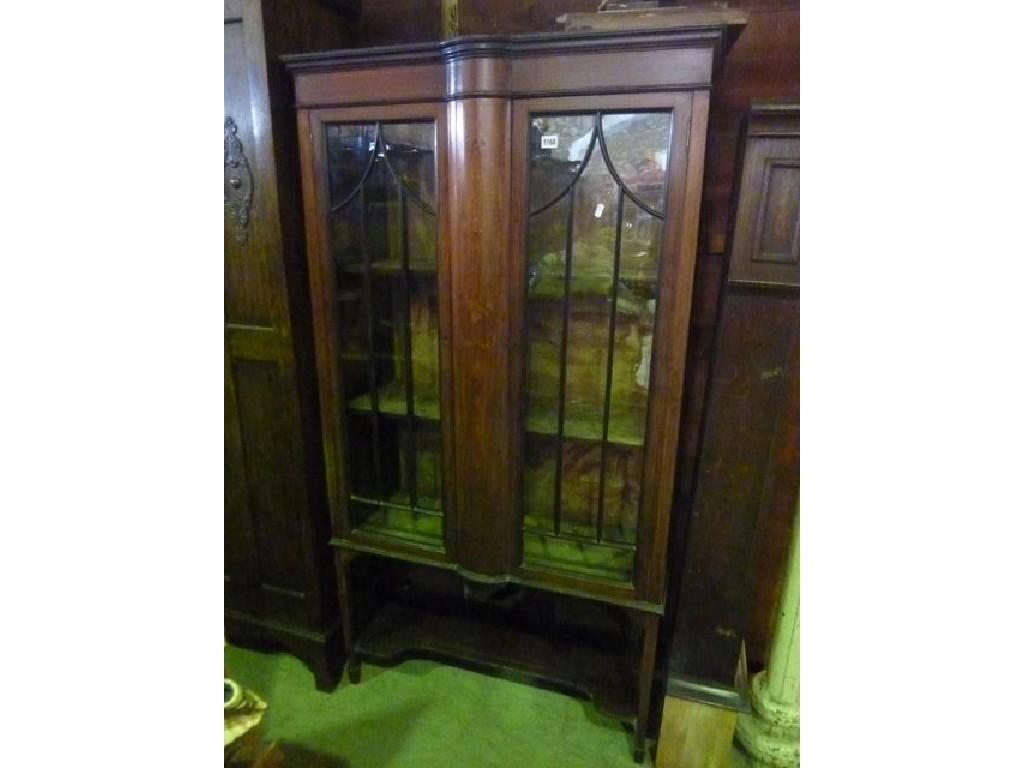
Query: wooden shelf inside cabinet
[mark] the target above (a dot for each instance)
(597, 283)
(391, 401)
(392, 267)
(395, 517)
(609, 561)
(627, 429)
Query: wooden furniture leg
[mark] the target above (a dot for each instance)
(343, 560)
(649, 642)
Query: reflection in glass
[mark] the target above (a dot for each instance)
(597, 189)
(383, 235)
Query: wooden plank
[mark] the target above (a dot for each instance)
(756, 372)
(604, 72)
(655, 18)
(695, 735)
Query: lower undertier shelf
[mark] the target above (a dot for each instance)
(507, 644)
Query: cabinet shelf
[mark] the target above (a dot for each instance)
(391, 402)
(350, 294)
(550, 287)
(401, 501)
(592, 275)
(395, 518)
(605, 560)
(391, 267)
(628, 431)
(537, 526)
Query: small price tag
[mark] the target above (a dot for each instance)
(598, 210)
(549, 141)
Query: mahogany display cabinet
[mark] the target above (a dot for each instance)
(501, 235)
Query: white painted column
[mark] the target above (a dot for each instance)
(771, 735)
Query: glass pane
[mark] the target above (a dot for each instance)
(592, 265)
(640, 246)
(422, 231)
(346, 240)
(383, 220)
(362, 473)
(546, 289)
(539, 483)
(426, 375)
(581, 480)
(593, 262)
(623, 470)
(384, 241)
(428, 465)
(638, 149)
(611, 563)
(636, 303)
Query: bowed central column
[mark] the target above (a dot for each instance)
(479, 114)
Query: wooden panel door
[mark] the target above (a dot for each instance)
(278, 573)
(270, 573)
(605, 227)
(748, 479)
(372, 177)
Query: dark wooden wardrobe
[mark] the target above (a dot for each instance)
(748, 473)
(278, 577)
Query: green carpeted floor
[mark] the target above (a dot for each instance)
(421, 714)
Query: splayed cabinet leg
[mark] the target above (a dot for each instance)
(344, 570)
(649, 642)
(355, 669)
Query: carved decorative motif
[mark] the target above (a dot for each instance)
(237, 182)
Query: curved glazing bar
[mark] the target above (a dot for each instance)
(649, 172)
(401, 144)
(408, 192)
(371, 157)
(575, 176)
(381, 148)
(618, 179)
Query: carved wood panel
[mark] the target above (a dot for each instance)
(237, 182)
(777, 230)
(766, 239)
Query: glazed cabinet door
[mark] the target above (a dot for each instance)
(380, 311)
(601, 197)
